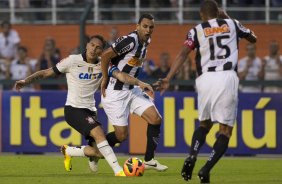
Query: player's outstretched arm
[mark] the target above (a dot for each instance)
(127, 79)
(163, 84)
(34, 77)
(223, 15)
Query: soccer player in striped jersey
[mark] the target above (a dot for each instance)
(119, 99)
(215, 41)
(83, 73)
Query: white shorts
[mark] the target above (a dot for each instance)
(118, 104)
(218, 96)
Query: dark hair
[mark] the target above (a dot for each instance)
(210, 8)
(145, 16)
(5, 22)
(22, 48)
(99, 37)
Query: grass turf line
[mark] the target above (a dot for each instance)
(26, 169)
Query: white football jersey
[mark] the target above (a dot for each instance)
(83, 80)
(216, 44)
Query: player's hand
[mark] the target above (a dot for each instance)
(103, 87)
(19, 84)
(162, 84)
(146, 87)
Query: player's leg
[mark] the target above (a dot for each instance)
(77, 118)
(106, 150)
(93, 160)
(152, 117)
(119, 135)
(224, 101)
(143, 106)
(81, 151)
(116, 106)
(85, 122)
(219, 148)
(198, 139)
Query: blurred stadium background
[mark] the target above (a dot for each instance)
(32, 122)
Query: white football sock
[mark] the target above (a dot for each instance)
(75, 151)
(109, 155)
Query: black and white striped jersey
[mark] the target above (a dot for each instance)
(130, 56)
(216, 44)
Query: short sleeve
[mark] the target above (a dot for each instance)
(64, 65)
(123, 45)
(242, 31)
(191, 39)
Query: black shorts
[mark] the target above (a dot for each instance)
(81, 119)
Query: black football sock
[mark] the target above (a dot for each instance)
(112, 139)
(153, 136)
(219, 148)
(198, 139)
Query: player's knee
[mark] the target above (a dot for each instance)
(226, 132)
(121, 136)
(207, 124)
(156, 120)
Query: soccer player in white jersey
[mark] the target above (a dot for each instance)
(216, 43)
(83, 73)
(119, 99)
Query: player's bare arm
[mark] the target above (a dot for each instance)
(180, 59)
(223, 15)
(105, 61)
(42, 74)
(125, 78)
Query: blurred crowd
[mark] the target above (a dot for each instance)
(15, 63)
(130, 3)
(109, 14)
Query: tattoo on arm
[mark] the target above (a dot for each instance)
(34, 77)
(39, 75)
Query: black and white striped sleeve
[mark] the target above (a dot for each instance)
(123, 45)
(242, 31)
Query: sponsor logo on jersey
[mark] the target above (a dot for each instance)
(90, 69)
(209, 31)
(88, 76)
(135, 61)
(126, 48)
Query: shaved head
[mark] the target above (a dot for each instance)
(209, 8)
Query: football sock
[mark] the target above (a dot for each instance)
(198, 139)
(109, 155)
(112, 139)
(153, 136)
(77, 151)
(219, 148)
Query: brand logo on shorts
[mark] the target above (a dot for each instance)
(90, 120)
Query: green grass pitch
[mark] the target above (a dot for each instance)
(30, 169)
